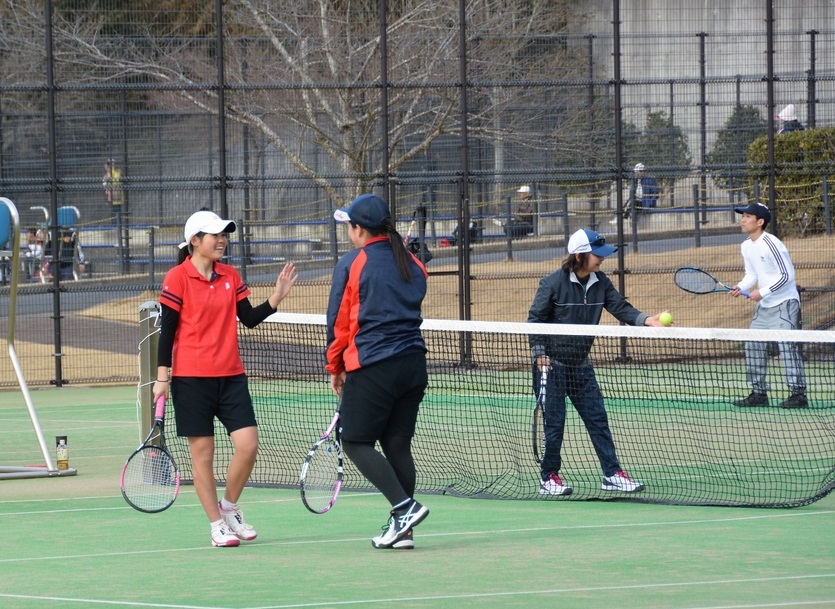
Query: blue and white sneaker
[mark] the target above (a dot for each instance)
(399, 526)
(407, 543)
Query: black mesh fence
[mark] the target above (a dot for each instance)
(118, 124)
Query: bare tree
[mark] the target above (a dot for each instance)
(307, 73)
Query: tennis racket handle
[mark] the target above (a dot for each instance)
(160, 409)
(745, 293)
(332, 426)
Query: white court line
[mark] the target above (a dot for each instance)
(177, 505)
(272, 544)
(484, 595)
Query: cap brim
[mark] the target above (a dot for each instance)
(340, 215)
(219, 226)
(604, 250)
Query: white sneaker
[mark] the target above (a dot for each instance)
(223, 537)
(234, 519)
(554, 486)
(620, 481)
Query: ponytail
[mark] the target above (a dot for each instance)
(402, 256)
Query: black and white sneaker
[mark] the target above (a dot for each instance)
(754, 399)
(407, 543)
(620, 481)
(400, 523)
(795, 400)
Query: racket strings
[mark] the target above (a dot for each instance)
(695, 281)
(150, 479)
(320, 476)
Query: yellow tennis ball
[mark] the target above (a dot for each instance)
(665, 318)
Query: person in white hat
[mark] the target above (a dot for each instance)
(646, 189)
(577, 293)
(643, 192)
(788, 116)
(200, 367)
(521, 225)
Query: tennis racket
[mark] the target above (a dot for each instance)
(150, 478)
(696, 281)
(321, 475)
(538, 419)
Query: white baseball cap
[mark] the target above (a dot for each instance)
(523, 189)
(205, 222)
(639, 167)
(585, 241)
(788, 113)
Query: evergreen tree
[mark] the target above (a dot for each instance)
(727, 162)
(663, 148)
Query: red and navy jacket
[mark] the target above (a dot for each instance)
(372, 313)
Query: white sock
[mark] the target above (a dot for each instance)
(228, 505)
(217, 523)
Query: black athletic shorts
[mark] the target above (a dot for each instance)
(383, 399)
(198, 400)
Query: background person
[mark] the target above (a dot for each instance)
(769, 267)
(377, 359)
(577, 293)
(789, 122)
(199, 358)
(646, 189)
(112, 182)
(644, 192)
(33, 254)
(521, 223)
(68, 254)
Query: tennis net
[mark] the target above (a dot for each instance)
(669, 395)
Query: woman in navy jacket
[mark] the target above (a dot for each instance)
(377, 359)
(577, 293)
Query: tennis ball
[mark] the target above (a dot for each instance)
(665, 318)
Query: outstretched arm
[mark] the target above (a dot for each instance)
(283, 284)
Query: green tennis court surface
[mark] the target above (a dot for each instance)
(73, 542)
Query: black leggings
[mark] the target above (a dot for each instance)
(393, 474)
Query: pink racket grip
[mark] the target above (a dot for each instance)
(159, 413)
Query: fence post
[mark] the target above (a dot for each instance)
(334, 239)
(566, 229)
(148, 341)
(508, 227)
(151, 257)
(827, 209)
(243, 242)
(697, 231)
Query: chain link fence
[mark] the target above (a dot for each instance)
(275, 114)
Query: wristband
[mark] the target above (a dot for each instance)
(162, 381)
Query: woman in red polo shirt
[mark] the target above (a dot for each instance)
(200, 364)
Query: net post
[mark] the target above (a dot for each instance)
(148, 340)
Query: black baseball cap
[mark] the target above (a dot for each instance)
(755, 209)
